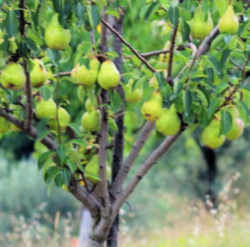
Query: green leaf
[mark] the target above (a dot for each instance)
(187, 102)
(185, 31)
(226, 122)
(51, 173)
(45, 92)
(174, 15)
(246, 84)
(61, 153)
(12, 23)
(95, 15)
(43, 158)
(72, 166)
(224, 57)
(150, 10)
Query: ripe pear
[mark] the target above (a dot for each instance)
(38, 74)
(199, 27)
(132, 95)
(46, 109)
(56, 37)
(236, 130)
(169, 123)
(13, 76)
(63, 119)
(91, 171)
(91, 120)
(90, 104)
(109, 76)
(211, 137)
(229, 22)
(82, 76)
(152, 109)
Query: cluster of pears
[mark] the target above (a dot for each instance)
(211, 136)
(49, 110)
(13, 75)
(200, 27)
(107, 76)
(167, 119)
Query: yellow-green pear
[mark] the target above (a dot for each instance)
(169, 123)
(38, 74)
(82, 76)
(56, 37)
(236, 130)
(63, 119)
(211, 137)
(91, 171)
(13, 76)
(152, 109)
(109, 76)
(91, 120)
(46, 109)
(229, 22)
(200, 27)
(132, 95)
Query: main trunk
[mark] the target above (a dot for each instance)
(86, 229)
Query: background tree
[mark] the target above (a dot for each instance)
(60, 87)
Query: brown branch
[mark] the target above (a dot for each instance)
(103, 151)
(28, 92)
(143, 170)
(61, 74)
(137, 54)
(171, 55)
(202, 49)
(129, 161)
(47, 141)
(87, 199)
(154, 53)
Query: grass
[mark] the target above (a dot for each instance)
(191, 224)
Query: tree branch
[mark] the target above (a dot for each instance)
(87, 199)
(171, 55)
(137, 54)
(143, 169)
(154, 53)
(47, 141)
(129, 161)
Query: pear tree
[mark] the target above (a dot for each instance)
(76, 80)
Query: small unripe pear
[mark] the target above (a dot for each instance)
(236, 130)
(63, 119)
(46, 109)
(211, 137)
(169, 123)
(109, 76)
(152, 109)
(91, 120)
(13, 76)
(229, 22)
(91, 171)
(38, 74)
(132, 95)
(56, 37)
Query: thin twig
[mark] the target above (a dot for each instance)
(154, 53)
(137, 54)
(61, 74)
(129, 161)
(171, 55)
